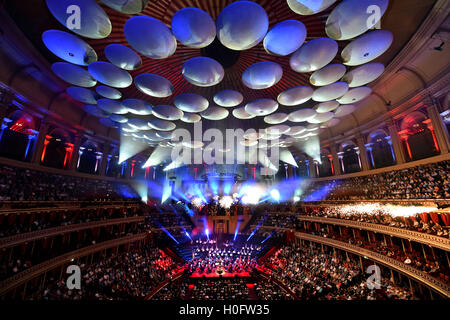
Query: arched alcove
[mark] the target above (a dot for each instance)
(417, 136)
(58, 149)
(325, 166)
(350, 157)
(89, 158)
(18, 136)
(379, 149)
(303, 169)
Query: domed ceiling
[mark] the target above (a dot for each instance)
(156, 65)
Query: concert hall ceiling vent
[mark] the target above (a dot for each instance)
(244, 63)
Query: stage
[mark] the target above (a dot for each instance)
(244, 274)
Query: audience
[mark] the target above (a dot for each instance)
(18, 184)
(129, 276)
(430, 181)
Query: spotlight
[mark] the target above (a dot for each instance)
(275, 194)
(236, 231)
(226, 202)
(196, 202)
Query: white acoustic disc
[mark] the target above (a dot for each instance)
(108, 92)
(94, 22)
(367, 47)
(314, 55)
(326, 106)
(327, 75)
(296, 130)
(203, 71)
(261, 107)
(354, 95)
(302, 115)
(193, 144)
(228, 98)
(162, 125)
(270, 137)
(295, 96)
(127, 6)
(83, 95)
(344, 110)
(240, 113)
(118, 118)
(309, 7)
(153, 85)
(276, 118)
(138, 107)
(312, 127)
(191, 102)
(215, 113)
(321, 117)
(123, 57)
(150, 37)
(262, 75)
(193, 27)
(252, 136)
(285, 37)
(352, 18)
(112, 106)
(249, 143)
(242, 25)
(69, 47)
(73, 74)
(190, 117)
(153, 136)
(364, 74)
(278, 129)
(331, 123)
(330, 92)
(166, 112)
(167, 135)
(109, 74)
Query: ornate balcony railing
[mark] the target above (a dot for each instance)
(30, 273)
(421, 237)
(420, 276)
(14, 240)
(7, 207)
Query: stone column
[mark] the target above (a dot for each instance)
(438, 128)
(365, 166)
(75, 153)
(369, 148)
(396, 145)
(311, 167)
(6, 99)
(40, 141)
(104, 160)
(336, 164)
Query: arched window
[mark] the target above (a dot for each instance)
(417, 136)
(136, 168)
(58, 149)
(303, 166)
(379, 149)
(113, 168)
(89, 160)
(18, 136)
(350, 157)
(325, 166)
